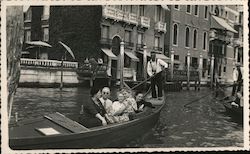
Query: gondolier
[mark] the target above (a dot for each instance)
(154, 70)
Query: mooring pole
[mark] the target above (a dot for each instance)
(188, 70)
(172, 64)
(121, 63)
(61, 83)
(212, 71)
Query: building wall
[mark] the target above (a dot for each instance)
(193, 22)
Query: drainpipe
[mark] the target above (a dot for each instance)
(121, 63)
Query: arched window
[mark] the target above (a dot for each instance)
(175, 34)
(195, 39)
(204, 41)
(187, 37)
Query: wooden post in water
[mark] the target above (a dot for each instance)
(172, 64)
(211, 71)
(121, 63)
(188, 70)
(61, 83)
(14, 42)
(145, 62)
(200, 69)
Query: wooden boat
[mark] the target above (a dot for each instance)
(56, 131)
(236, 112)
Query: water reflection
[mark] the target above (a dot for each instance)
(200, 124)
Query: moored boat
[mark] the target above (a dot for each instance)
(56, 131)
(234, 111)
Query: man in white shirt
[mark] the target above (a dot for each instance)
(106, 102)
(154, 70)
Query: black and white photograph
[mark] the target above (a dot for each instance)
(123, 76)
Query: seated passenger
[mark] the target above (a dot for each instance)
(107, 103)
(119, 107)
(93, 112)
(238, 101)
(141, 103)
(132, 108)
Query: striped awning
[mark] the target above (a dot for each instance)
(109, 53)
(219, 23)
(131, 55)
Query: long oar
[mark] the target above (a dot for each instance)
(145, 80)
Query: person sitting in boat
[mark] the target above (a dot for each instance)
(130, 99)
(107, 103)
(141, 103)
(119, 108)
(93, 111)
(238, 101)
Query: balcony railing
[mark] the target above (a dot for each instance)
(127, 72)
(106, 42)
(238, 42)
(161, 26)
(119, 15)
(128, 44)
(214, 35)
(144, 22)
(109, 12)
(47, 63)
(157, 48)
(139, 46)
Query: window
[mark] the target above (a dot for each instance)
(140, 38)
(205, 12)
(141, 10)
(187, 37)
(158, 13)
(127, 36)
(212, 9)
(194, 62)
(105, 31)
(175, 34)
(28, 15)
(196, 9)
(204, 65)
(157, 41)
(224, 69)
(176, 7)
(176, 57)
(46, 34)
(27, 36)
(195, 39)
(204, 41)
(188, 9)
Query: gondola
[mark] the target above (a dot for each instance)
(56, 131)
(235, 112)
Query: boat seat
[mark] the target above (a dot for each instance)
(65, 122)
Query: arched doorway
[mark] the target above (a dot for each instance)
(116, 50)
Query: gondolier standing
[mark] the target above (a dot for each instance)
(154, 70)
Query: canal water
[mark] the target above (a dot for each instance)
(203, 123)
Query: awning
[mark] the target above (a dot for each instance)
(131, 55)
(109, 53)
(141, 52)
(219, 23)
(162, 56)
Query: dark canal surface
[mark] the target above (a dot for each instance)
(203, 123)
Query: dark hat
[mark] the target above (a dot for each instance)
(94, 91)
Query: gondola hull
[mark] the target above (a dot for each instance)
(114, 135)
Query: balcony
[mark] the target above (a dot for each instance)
(139, 46)
(144, 22)
(238, 42)
(119, 14)
(157, 48)
(109, 12)
(47, 63)
(128, 45)
(106, 42)
(217, 36)
(161, 27)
